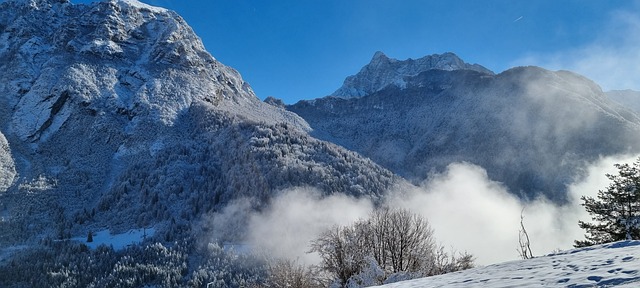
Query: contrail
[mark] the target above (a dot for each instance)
(518, 19)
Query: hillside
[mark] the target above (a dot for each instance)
(615, 264)
(627, 98)
(114, 116)
(530, 128)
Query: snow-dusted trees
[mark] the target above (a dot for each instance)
(338, 248)
(616, 210)
(283, 273)
(389, 244)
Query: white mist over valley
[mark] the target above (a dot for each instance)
(132, 157)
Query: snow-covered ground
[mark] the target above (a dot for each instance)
(118, 241)
(614, 264)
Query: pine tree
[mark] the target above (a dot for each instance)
(90, 237)
(616, 210)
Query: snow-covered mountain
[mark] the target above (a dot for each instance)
(113, 116)
(614, 264)
(627, 98)
(530, 128)
(383, 71)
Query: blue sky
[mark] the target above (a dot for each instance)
(293, 49)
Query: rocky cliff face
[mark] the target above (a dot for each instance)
(530, 128)
(115, 116)
(7, 167)
(383, 71)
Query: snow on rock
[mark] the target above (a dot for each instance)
(630, 99)
(7, 167)
(34, 115)
(116, 54)
(140, 5)
(383, 71)
(116, 107)
(605, 265)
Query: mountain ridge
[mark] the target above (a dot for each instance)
(547, 124)
(382, 71)
(627, 98)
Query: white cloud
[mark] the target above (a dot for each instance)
(472, 213)
(468, 211)
(298, 216)
(611, 60)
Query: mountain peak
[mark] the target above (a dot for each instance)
(112, 55)
(378, 55)
(383, 71)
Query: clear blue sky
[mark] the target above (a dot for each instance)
(303, 49)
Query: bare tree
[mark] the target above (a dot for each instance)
(338, 252)
(409, 241)
(524, 244)
(291, 274)
(444, 262)
(397, 240)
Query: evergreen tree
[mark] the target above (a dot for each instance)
(616, 210)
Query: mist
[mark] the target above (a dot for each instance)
(298, 216)
(610, 60)
(467, 210)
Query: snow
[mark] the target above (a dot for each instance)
(118, 241)
(383, 71)
(7, 166)
(627, 98)
(602, 265)
(140, 5)
(104, 47)
(39, 184)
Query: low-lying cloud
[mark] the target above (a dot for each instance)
(298, 216)
(468, 211)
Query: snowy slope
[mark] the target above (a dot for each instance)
(117, 241)
(627, 98)
(615, 264)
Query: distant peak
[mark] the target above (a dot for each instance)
(383, 71)
(379, 55)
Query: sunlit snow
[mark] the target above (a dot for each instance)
(140, 5)
(602, 266)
